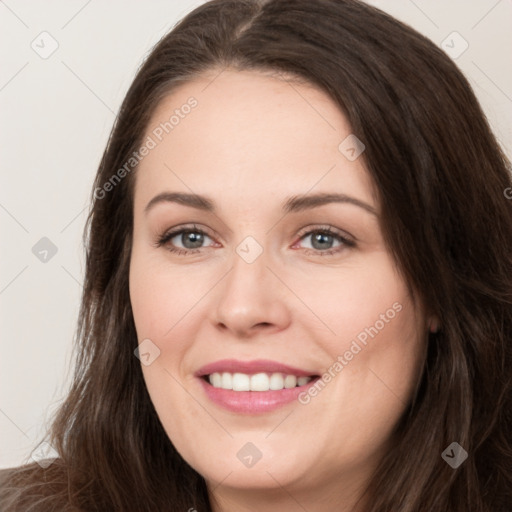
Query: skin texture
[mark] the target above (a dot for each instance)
(251, 142)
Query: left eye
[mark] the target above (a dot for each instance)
(321, 239)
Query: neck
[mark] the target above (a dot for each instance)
(343, 496)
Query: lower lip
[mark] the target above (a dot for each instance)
(253, 402)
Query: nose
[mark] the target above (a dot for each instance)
(251, 300)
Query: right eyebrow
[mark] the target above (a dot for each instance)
(192, 200)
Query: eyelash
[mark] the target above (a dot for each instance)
(326, 230)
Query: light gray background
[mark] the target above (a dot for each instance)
(56, 115)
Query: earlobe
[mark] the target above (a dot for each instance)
(433, 324)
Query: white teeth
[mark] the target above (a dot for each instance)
(227, 381)
(260, 382)
(256, 382)
(216, 380)
(290, 381)
(241, 382)
(301, 381)
(276, 381)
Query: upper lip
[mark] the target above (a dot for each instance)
(251, 367)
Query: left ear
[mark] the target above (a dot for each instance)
(433, 324)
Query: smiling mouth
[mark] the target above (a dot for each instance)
(257, 382)
(254, 387)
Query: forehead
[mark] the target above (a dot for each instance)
(251, 133)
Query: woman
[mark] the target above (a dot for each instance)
(228, 360)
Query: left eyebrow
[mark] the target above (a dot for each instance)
(301, 203)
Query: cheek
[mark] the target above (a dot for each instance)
(374, 347)
(160, 300)
(358, 302)
(161, 295)
(165, 304)
(373, 367)
(381, 361)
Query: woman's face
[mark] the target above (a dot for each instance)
(315, 330)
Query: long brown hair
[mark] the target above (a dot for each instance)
(441, 177)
